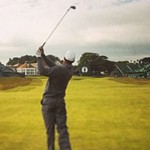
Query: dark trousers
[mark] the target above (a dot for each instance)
(54, 113)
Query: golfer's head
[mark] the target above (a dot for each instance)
(69, 57)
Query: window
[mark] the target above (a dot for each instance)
(30, 71)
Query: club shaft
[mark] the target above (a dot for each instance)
(56, 27)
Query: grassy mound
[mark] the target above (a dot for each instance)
(132, 80)
(8, 83)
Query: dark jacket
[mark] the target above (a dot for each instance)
(58, 77)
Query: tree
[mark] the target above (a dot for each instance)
(13, 61)
(93, 60)
(96, 62)
(28, 58)
(145, 60)
(53, 58)
(22, 60)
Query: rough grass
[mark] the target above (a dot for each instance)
(8, 83)
(103, 114)
(132, 80)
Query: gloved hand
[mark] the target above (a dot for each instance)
(41, 49)
(38, 53)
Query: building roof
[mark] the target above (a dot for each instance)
(17, 65)
(34, 65)
(26, 65)
(126, 68)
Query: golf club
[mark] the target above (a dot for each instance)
(71, 7)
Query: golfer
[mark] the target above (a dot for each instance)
(53, 103)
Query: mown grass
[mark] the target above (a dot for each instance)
(103, 114)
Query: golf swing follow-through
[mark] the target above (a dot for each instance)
(53, 102)
(71, 7)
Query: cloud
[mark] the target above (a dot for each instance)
(117, 24)
(111, 27)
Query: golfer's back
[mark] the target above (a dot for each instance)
(58, 81)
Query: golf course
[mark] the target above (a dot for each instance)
(103, 113)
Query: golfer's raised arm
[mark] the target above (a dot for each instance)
(43, 70)
(47, 61)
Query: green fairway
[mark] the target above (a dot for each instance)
(103, 114)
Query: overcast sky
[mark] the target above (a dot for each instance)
(118, 29)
